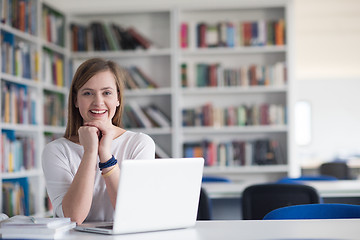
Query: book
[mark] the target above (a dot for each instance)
(125, 40)
(158, 116)
(184, 77)
(146, 78)
(57, 233)
(140, 114)
(132, 119)
(211, 35)
(141, 39)
(29, 227)
(129, 80)
(160, 153)
(201, 35)
(138, 80)
(16, 195)
(23, 222)
(184, 39)
(230, 35)
(222, 34)
(111, 37)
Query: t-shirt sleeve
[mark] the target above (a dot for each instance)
(58, 175)
(143, 147)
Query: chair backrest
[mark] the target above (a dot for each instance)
(204, 208)
(315, 211)
(338, 169)
(260, 199)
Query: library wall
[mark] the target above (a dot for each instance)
(327, 34)
(327, 75)
(335, 119)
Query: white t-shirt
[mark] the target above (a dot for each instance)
(61, 159)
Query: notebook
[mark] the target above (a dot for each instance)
(157, 194)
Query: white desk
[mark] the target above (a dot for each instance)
(340, 188)
(248, 230)
(226, 196)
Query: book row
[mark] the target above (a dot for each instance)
(150, 116)
(243, 115)
(53, 70)
(234, 34)
(236, 152)
(99, 36)
(17, 152)
(18, 104)
(215, 75)
(20, 14)
(53, 26)
(138, 79)
(17, 198)
(19, 58)
(54, 112)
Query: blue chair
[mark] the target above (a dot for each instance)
(315, 211)
(217, 179)
(307, 178)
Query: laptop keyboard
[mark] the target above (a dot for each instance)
(106, 226)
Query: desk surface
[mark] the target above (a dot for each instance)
(340, 188)
(248, 230)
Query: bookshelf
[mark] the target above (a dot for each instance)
(34, 62)
(52, 36)
(234, 86)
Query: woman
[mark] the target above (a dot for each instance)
(82, 168)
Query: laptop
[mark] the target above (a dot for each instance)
(153, 195)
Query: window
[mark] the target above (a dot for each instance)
(302, 123)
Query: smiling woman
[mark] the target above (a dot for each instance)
(93, 139)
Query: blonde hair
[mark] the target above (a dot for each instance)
(85, 71)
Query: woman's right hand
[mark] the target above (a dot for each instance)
(77, 201)
(89, 138)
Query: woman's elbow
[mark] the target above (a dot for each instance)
(75, 216)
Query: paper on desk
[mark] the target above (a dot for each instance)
(37, 222)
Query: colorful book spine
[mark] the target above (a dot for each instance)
(255, 115)
(20, 15)
(53, 65)
(19, 58)
(99, 36)
(236, 152)
(53, 26)
(236, 34)
(216, 75)
(149, 116)
(139, 79)
(17, 199)
(18, 152)
(18, 104)
(184, 35)
(54, 111)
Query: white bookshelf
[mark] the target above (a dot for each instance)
(38, 85)
(236, 95)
